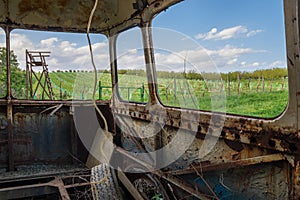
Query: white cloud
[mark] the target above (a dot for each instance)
(252, 33)
(203, 59)
(19, 43)
(231, 51)
(278, 63)
(227, 33)
(49, 42)
(232, 61)
(243, 63)
(255, 64)
(64, 55)
(209, 35)
(132, 59)
(67, 55)
(132, 51)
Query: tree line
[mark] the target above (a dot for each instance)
(267, 74)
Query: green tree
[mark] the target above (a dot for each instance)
(18, 77)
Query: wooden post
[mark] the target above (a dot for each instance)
(60, 91)
(205, 89)
(238, 84)
(258, 85)
(175, 90)
(228, 85)
(282, 84)
(82, 93)
(167, 98)
(221, 86)
(128, 93)
(263, 83)
(248, 84)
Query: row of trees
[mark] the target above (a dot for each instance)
(80, 71)
(267, 74)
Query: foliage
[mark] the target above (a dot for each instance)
(245, 97)
(267, 74)
(18, 77)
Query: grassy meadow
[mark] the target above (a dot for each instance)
(258, 96)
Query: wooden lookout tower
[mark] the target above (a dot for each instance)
(37, 68)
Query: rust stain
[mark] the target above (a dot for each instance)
(208, 166)
(61, 13)
(296, 185)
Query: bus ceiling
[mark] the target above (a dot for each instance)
(72, 16)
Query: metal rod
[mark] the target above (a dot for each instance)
(228, 165)
(149, 60)
(151, 76)
(27, 73)
(129, 186)
(9, 104)
(8, 73)
(168, 177)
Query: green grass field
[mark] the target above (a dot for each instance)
(245, 98)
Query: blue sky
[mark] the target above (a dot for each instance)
(255, 27)
(233, 34)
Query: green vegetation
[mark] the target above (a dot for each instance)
(260, 97)
(252, 97)
(262, 93)
(18, 77)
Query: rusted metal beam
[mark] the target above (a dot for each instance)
(26, 190)
(184, 186)
(151, 76)
(126, 182)
(10, 138)
(168, 177)
(62, 190)
(77, 185)
(9, 105)
(8, 72)
(149, 60)
(38, 189)
(27, 73)
(254, 132)
(205, 167)
(23, 192)
(296, 181)
(20, 102)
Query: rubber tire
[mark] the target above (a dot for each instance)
(108, 189)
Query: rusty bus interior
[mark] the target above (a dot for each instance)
(43, 156)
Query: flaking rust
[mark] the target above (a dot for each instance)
(258, 158)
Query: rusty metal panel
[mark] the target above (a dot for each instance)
(3, 138)
(44, 138)
(296, 180)
(37, 138)
(265, 181)
(72, 16)
(2, 11)
(62, 15)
